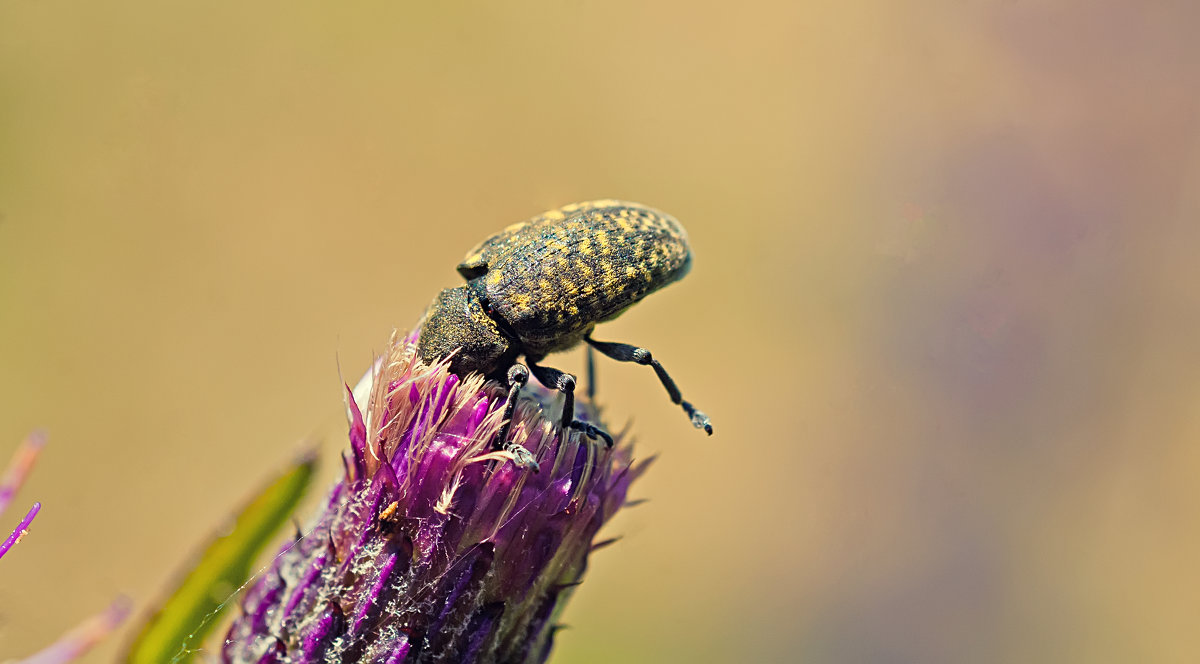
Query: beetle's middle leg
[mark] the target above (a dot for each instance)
(565, 383)
(628, 353)
(557, 380)
(518, 375)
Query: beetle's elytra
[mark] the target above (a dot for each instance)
(541, 286)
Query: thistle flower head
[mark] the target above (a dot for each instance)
(434, 547)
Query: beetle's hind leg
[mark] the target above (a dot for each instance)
(591, 375)
(518, 375)
(628, 353)
(565, 383)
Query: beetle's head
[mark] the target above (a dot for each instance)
(457, 323)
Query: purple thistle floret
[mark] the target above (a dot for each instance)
(434, 547)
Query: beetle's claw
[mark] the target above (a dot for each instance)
(699, 419)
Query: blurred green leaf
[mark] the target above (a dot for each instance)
(192, 610)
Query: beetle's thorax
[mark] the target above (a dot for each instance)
(457, 323)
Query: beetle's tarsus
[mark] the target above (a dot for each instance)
(699, 419)
(522, 457)
(592, 431)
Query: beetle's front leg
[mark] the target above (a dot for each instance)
(518, 375)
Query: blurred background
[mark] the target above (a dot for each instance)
(943, 310)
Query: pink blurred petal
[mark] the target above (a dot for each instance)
(86, 635)
(19, 467)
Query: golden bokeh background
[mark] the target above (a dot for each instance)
(943, 310)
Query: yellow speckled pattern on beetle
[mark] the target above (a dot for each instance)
(554, 277)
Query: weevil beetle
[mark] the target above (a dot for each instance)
(541, 286)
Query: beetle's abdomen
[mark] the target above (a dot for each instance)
(555, 276)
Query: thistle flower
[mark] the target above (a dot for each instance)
(433, 547)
